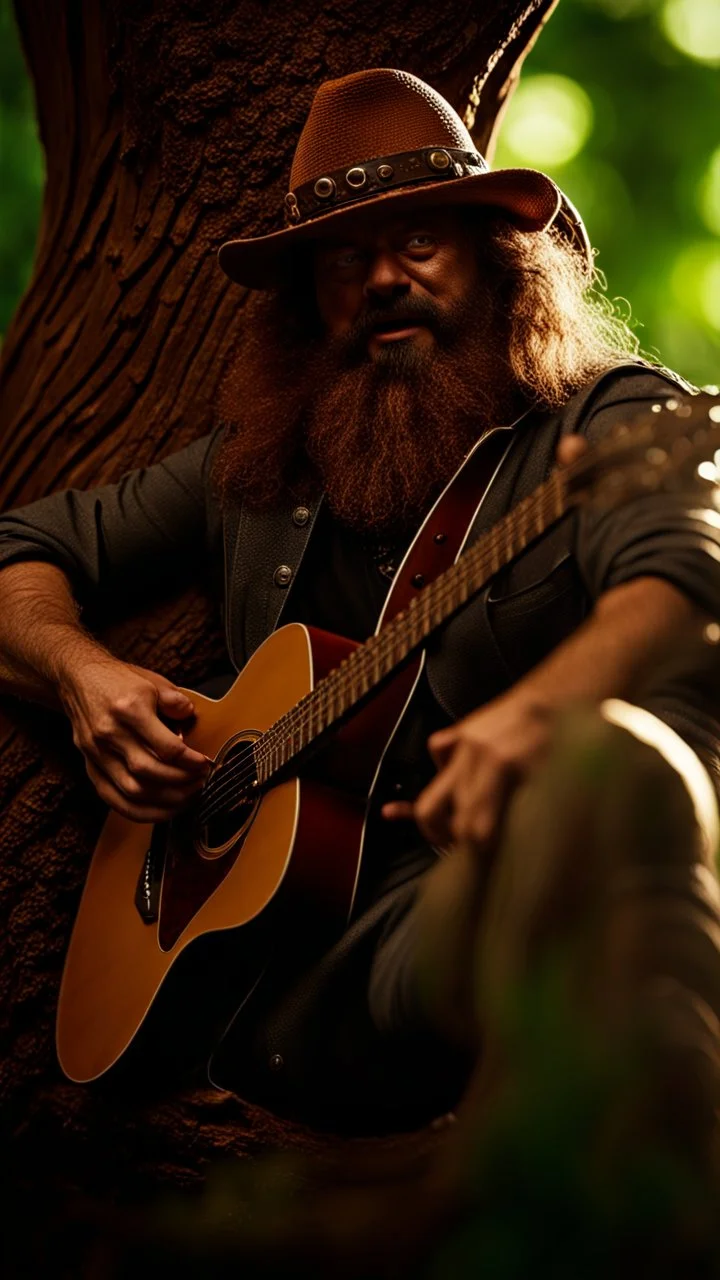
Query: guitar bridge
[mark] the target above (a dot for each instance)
(147, 893)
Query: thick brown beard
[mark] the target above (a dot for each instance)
(381, 438)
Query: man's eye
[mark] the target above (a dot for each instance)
(420, 240)
(348, 258)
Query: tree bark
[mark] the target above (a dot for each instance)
(168, 125)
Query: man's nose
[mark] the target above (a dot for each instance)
(386, 276)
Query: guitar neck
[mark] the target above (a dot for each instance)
(372, 663)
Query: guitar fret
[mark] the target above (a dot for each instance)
(320, 713)
(377, 667)
(415, 622)
(559, 491)
(521, 539)
(425, 608)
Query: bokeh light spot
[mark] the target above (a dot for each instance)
(710, 193)
(548, 122)
(598, 190)
(695, 281)
(693, 26)
(710, 292)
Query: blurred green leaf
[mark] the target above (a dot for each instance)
(647, 175)
(22, 169)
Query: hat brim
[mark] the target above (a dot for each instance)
(529, 197)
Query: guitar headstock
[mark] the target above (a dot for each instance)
(673, 446)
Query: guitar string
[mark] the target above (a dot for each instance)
(544, 504)
(373, 651)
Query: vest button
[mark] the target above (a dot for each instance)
(300, 516)
(282, 575)
(275, 1062)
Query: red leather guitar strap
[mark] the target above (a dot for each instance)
(439, 540)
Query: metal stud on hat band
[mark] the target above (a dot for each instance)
(341, 186)
(292, 212)
(439, 160)
(324, 188)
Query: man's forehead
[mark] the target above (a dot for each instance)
(373, 223)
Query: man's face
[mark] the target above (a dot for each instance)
(398, 281)
(378, 406)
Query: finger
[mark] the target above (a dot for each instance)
(147, 786)
(569, 450)
(130, 809)
(434, 807)
(147, 769)
(397, 809)
(442, 744)
(172, 702)
(481, 800)
(168, 746)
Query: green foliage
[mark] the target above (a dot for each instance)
(21, 169)
(618, 102)
(627, 123)
(559, 1185)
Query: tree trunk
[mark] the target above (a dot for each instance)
(168, 125)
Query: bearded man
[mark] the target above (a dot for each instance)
(415, 305)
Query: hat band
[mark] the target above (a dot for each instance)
(357, 182)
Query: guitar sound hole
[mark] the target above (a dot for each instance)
(233, 798)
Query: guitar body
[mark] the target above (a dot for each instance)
(304, 836)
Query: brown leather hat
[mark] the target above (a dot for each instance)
(384, 136)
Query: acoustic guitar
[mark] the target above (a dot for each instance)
(298, 741)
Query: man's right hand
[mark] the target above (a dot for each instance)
(138, 766)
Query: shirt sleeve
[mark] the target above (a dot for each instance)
(674, 537)
(145, 534)
(670, 535)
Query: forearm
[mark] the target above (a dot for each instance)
(633, 628)
(41, 636)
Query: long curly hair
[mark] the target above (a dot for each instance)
(561, 328)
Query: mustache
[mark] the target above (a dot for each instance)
(352, 346)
